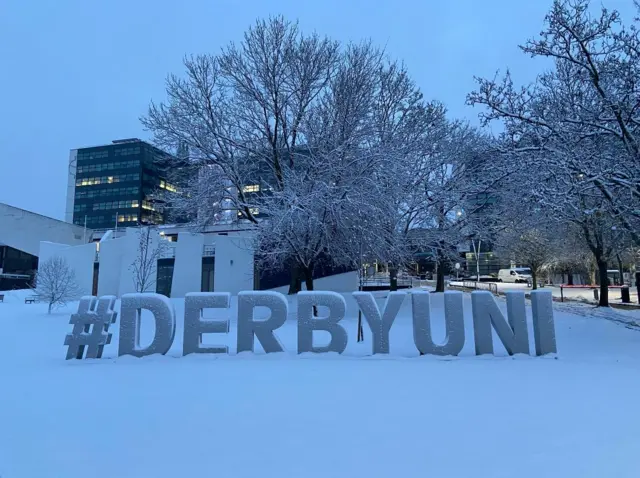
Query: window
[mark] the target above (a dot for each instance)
(128, 218)
(154, 218)
(167, 186)
(88, 168)
(92, 155)
(92, 221)
(148, 206)
(116, 205)
(105, 192)
(254, 188)
(107, 179)
(127, 151)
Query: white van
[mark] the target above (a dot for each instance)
(515, 275)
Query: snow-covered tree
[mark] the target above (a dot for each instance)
(337, 204)
(303, 131)
(55, 283)
(530, 238)
(575, 130)
(145, 265)
(581, 117)
(447, 192)
(240, 111)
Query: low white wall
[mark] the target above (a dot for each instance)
(110, 264)
(187, 270)
(347, 282)
(234, 264)
(79, 258)
(130, 245)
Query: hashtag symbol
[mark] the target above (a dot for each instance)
(91, 327)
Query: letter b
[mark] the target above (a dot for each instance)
(307, 323)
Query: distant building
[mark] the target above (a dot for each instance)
(21, 233)
(114, 185)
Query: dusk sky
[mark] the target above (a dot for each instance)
(78, 73)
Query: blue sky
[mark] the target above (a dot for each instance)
(76, 73)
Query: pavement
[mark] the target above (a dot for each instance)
(583, 295)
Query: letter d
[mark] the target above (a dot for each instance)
(165, 318)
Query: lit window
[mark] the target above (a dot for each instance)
(128, 218)
(254, 188)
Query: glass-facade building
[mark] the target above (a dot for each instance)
(117, 184)
(17, 268)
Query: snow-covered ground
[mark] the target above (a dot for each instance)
(284, 415)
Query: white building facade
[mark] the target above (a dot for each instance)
(217, 260)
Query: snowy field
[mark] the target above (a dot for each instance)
(284, 415)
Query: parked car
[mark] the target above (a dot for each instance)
(515, 275)
(483, 278)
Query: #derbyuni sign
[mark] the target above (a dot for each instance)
(92, 321)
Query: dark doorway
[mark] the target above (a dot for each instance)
(165, 276)
(208, 270)
(96, 271)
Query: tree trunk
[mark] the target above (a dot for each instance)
(295, 285)
(361, 278)
(570, 278)
(308, 282)
(440, 277)
(393, 279)
(604, 283)
(308, 277)
(620, 270)
(50, 306)
(534, 278)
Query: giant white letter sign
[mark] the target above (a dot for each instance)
(307, 323)
(92, 321)
(454, 324)
(514, 335)
(164, 315)
(89, 316)
(248, 328)
(195, 326)
(544, 330)
(380, 324)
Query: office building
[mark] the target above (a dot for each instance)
(117, 185)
